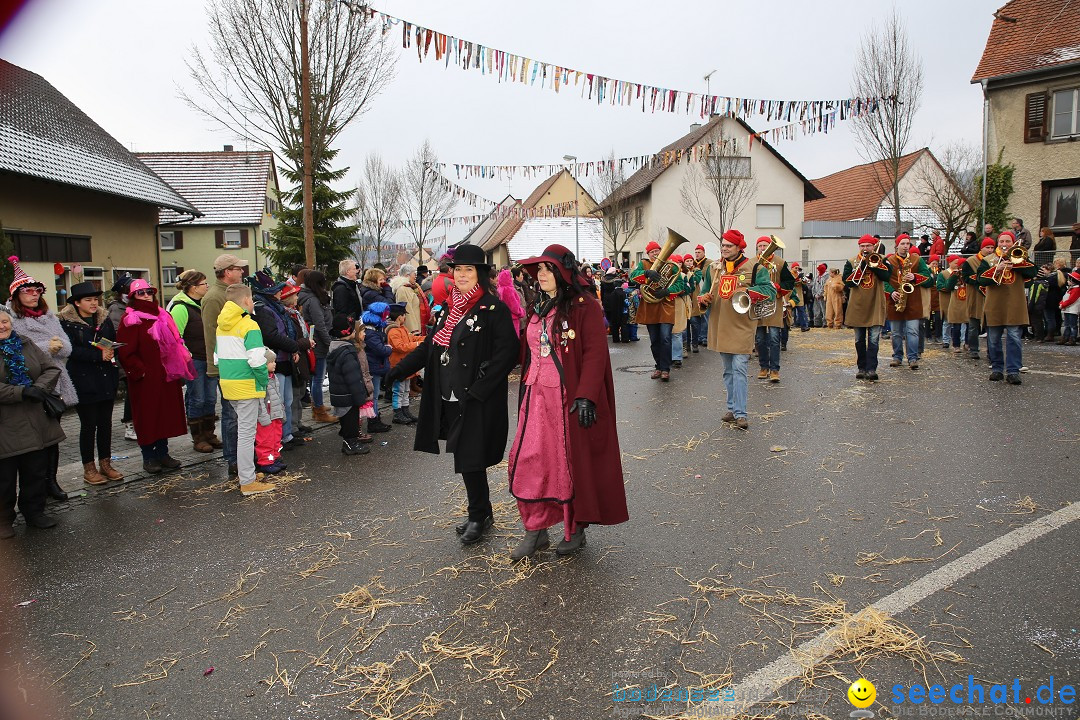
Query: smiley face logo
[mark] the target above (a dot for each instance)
(862, 693)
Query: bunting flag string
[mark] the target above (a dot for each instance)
(696, 153)
(499, 212)
(510, 67)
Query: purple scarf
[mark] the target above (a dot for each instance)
(174, 356)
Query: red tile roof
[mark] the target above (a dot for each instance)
(854, 193)
(1031, 35)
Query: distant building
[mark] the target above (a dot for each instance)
(1030, 73)
(860, 196)
(237, 192)
(649, 202)
(72, 195)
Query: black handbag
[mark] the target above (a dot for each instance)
(53, 405)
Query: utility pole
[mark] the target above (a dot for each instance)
(305, 124)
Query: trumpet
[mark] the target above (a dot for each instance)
(1003, 269)
(873, 260)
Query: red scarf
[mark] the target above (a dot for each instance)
(459, 305)
(33, 312)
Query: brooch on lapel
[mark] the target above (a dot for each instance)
(471, 323)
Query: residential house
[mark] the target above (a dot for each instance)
(495, 234)
(858, 201)
(1030, 75)
(650, 201)
(73, 196)
(237, 192)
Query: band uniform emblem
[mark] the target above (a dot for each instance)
(728, 283)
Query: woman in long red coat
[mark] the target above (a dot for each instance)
(157, 366)
(565, 464)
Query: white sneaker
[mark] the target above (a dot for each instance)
(1023, 368)
(129, 432)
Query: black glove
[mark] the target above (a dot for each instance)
(586, 412)
(652, 275)
(33, 394)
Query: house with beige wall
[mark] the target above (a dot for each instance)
(1030, 75)
(72, 195)
(237, 192)
(651, 198)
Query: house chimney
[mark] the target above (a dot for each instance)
(694, 126)
(228, 148)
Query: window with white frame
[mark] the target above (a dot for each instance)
(639, 217)
(232, 239)
(266, 238)
(94, 276)
(626, 221)
(169, 273)
(770, 216)
(1066, 118)
(167, 240)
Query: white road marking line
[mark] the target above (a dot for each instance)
(763, 684)
(1052, 372)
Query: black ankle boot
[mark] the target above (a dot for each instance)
(53, 489)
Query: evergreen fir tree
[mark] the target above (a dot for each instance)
(334, 231)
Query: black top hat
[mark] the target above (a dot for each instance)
(469, 255)
(82, 290)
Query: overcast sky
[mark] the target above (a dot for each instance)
(122, 62)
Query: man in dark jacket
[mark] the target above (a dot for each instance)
(279, 334)
(345, 292)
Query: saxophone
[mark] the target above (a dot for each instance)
(906, 288)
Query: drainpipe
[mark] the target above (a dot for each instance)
(986, 144)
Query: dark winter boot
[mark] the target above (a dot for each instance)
(400, 418)
(376, 425)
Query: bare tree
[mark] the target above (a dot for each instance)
(887, 68)
(426, 199)
(621, 221)
(378, 202)
(717, 189)
(949, 186)
(249, 82)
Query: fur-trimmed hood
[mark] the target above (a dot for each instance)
(69, 313)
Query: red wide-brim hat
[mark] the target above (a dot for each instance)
(558, 256)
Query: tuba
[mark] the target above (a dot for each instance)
(762, 308)
(669, 272)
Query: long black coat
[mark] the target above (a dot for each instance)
(347, 388)
(488, 348)
(95, 380)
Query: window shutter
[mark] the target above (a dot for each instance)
(1035, 117)
(179, 270)
(243, 238)
(219, 238)
(178, 240)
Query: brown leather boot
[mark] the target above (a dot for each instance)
(322, 414)
(109, 471)
(91, 476)
(198, 436)
(209, 423)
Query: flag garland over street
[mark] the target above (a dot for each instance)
(510, 67)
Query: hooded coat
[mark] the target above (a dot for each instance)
(347, 385)
(157, 404)
(375, 345)
(95, 379)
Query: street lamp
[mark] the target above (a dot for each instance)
(577, 212)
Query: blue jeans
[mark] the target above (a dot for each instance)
(284, 383)
(676, 347)
(228, 430)
(866, 347)
(316, 382)
(800, 317)
(905, 330)
(1051, 320)
(660, 343)
(1014, 350)
(1070, 322)
(201, 397)
(973, 336)
(401, 394)
(631, 331)
(767, 340)
(735, 382)
(697, 330)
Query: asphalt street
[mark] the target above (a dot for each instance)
(347, 593)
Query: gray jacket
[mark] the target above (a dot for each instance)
(26, 427)
(271, 408)
(40, 331)
(318, 317)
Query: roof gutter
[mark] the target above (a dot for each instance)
(180, 222)
(1017, 77)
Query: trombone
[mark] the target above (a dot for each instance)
(873, 260)
(1003, 268)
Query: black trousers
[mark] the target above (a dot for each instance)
(349, 424)
(29, 471)
(476, 482)
(95, 420)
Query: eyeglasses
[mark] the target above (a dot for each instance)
(142, 293)
(203, 284)
(30, 290)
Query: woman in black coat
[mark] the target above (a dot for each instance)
(467, 358)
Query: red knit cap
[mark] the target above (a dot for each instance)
(914, 251)
(868, 239)
(677, 259)
(954, 258)
(653, 245)
(902, 236)
(1007, 232)
(934, 258)
(736, 238)
(764, 239)
(700, 247)
(987, 242)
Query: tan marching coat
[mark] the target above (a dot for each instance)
(976, 299)
(1006, 304)
(695, 306)
(866, 303)
(730, 332)
(957, 312)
